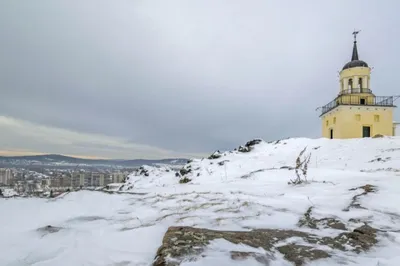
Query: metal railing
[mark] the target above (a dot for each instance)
(355, 90)
(358, 100)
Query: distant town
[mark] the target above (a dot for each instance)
(48, 175)
(46, 181)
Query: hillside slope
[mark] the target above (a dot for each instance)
(353, 189)
(360, 155)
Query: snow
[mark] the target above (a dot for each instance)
(238, 191)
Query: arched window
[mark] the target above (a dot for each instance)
(350, 84)
(360, 85)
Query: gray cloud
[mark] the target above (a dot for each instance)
(186, 76)
(22, 136)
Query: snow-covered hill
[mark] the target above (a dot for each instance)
(360, 155)
(350, 183)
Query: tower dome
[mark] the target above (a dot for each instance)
(355, 62)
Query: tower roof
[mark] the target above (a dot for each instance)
(354, 56)
(355, 62)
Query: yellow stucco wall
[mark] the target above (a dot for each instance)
(348, 121)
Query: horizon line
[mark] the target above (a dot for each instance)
(9, 153)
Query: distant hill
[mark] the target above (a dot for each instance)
(61, 160)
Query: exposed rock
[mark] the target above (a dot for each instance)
(361, 239)
(244, 149)
(331, 223)
(367, 188)
(215, 155)
(354, 201)
(253, 142)
(48, 230)
(263, 259)
(378, 136)
(182, 243)
(223, 162)
(308, 221)
(249, 145)
(252, 173)
(143, 171)
(185, 171)
(179, 242)
(379, 159)
(298, 254)
(287, 167)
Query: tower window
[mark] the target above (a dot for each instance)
(360, 85)
(376, 118)
(362, 101)
(358, 117)
(350, 83)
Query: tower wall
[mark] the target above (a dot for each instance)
(348, 121)
(355, 73)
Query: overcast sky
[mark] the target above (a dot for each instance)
(152, 79)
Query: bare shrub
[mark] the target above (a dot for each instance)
(301, 168)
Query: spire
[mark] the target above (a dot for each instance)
(355, 61)
(354, 56)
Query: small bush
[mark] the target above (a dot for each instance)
(184, 180)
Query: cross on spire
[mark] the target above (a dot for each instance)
(354, 56)
(355, 34)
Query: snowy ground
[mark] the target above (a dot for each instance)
(247, 190)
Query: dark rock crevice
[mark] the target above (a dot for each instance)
(354, 201)
(308, 221)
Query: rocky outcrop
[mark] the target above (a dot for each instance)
(253, 142)
(249, 145)
(188, 243)
(215, 155)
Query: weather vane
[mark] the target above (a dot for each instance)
(355, 32)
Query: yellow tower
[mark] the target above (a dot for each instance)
(356, 112)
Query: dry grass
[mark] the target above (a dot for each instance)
(301, 168)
